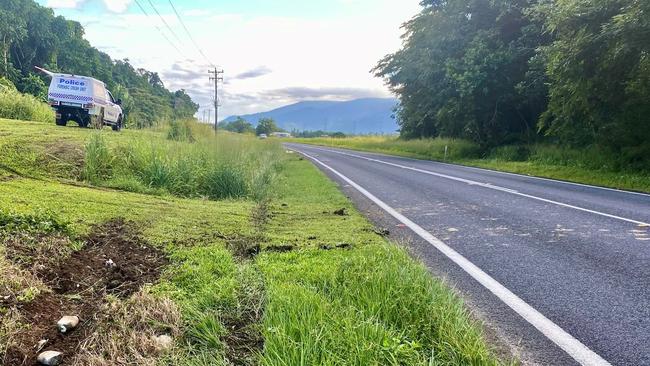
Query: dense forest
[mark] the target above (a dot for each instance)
(568, 72)
(31, 35)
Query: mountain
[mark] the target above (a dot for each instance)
(370, 115)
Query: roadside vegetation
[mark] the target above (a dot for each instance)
(588, 166)
(560, 85)
(16, 105)
(199, 277)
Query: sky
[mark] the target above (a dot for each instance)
(273, 52)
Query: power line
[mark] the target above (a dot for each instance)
(189, 35)
(165, 22)
(160, 30)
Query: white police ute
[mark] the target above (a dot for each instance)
(84, 100)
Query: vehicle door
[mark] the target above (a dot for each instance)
(112, 110)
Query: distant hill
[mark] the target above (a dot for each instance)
(370, 115)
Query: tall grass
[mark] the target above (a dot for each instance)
(98, 160)
(15, 105)
(228, 167)
(377, 307)
(424, 148)
(591, 165)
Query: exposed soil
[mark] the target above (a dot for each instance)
(282, 248)
(337, 246)
(244, 339)
(341, 212)
(62, 153)
(115, 260)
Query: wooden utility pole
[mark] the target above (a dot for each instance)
(218, 76)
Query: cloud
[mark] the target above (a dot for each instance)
(117, 6)
(185, 73)
(254, 73)
(64, 4)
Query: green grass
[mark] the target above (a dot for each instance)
(229, 167)
(365, 303)
(589, 166)
(368, 305)
(20, 106)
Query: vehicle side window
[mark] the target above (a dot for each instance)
(110, 97)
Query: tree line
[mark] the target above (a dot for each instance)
(569, 72)
(31, 35)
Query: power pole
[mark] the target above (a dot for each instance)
(218, 76)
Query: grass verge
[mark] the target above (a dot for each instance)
(588, 166)
(247, 281)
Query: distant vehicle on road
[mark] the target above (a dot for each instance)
(84, 100)
(263, 136)
(281, 134)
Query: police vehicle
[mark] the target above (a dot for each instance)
(84, 100)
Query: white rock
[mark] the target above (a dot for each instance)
(109, 263)
(163, 342)
(50, 358)
(67, 322)
(41, 344)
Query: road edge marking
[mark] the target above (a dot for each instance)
(573, 347)
(490, 186)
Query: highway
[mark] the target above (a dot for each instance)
(558, 272)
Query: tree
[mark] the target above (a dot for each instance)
(266, 126)
(239, 126)
(12, 30)
(599, 72)
(463, 72)
(30, 35)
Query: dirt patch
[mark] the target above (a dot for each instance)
(64, 154)
(341, 212)
(282, 248)
(115, 260)
(337, 246)
(383, 232)
(244, 247)
(244, 340)
(7, 178)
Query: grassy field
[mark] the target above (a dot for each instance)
(247, 279)
(588, 166)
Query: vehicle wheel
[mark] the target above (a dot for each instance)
(83, 122)
(118, 125)
(61, 122)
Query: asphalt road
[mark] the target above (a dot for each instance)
(572, 261)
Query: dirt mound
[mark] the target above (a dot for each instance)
(115, 260)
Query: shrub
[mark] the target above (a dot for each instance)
(180, 131)
(15, 105)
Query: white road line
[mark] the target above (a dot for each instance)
(581, 353)
(504, 173)
(490, 186)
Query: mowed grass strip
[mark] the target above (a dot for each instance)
(324, 289)
(587, 166)
(346, 296)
